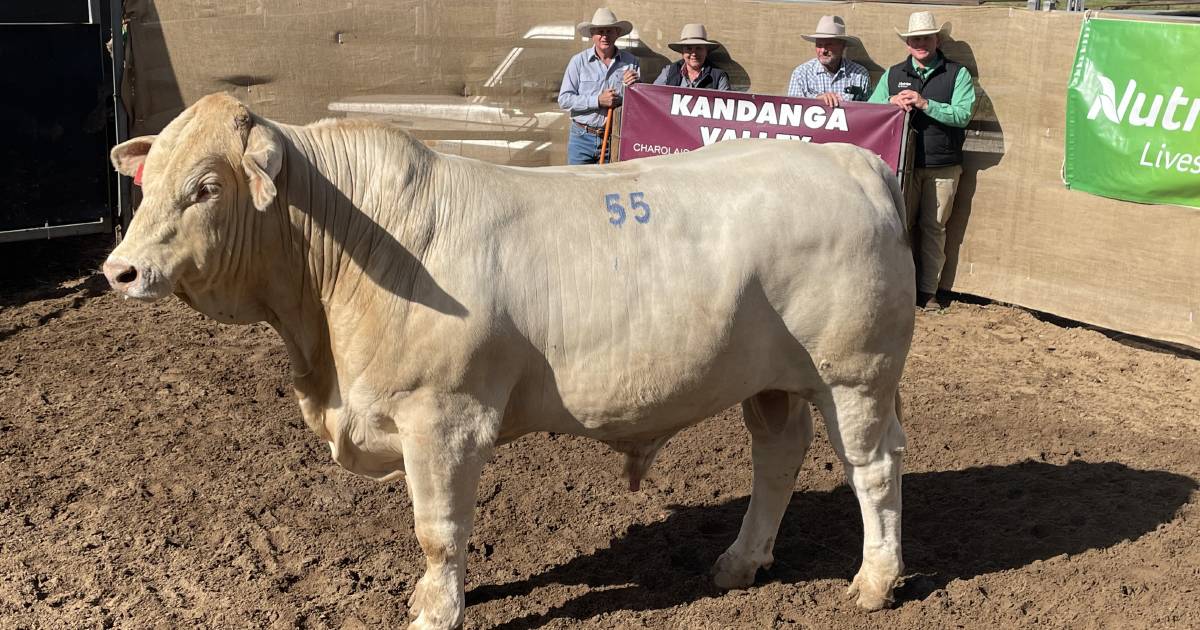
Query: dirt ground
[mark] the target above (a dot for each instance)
(155, 472)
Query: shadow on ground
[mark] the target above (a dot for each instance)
(957, 525)
(38, 269)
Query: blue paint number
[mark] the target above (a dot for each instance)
(615, 209)
(636, 202)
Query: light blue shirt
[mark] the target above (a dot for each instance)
(586, 77)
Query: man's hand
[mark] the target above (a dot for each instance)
(630, 77)
(899, 100)
(915, 99)
(609, 98)
(908, 99)
(830, 99)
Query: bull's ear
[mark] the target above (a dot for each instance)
(131, 154)
(262, 161)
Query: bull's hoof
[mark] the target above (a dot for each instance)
(873, 593)
(733, 571)
(420, 624)
(427, 621)
(432, 608)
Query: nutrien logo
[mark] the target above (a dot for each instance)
(1114, 111)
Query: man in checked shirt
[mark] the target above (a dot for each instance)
(829, 76)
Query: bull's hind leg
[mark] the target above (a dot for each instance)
(864, 428)
(781, 431)
(444, 454)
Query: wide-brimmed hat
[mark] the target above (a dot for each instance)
(830, 27)
(693, 35)
(922, 23)
(604, 18)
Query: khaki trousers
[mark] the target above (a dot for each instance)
(929, 201)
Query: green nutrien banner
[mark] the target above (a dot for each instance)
(1133, 112)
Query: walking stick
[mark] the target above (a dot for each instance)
(607, 128)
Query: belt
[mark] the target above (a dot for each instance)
(595, 131)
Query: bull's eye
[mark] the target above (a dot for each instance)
(207, 192)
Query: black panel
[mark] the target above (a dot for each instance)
(31, 11)
(55, 120)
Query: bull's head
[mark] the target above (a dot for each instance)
(200, 177)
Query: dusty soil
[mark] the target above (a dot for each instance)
(154, 472)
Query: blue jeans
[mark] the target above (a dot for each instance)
(583, 147)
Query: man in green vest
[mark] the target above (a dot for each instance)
(940, 97)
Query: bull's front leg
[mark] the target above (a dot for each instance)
(443, 457)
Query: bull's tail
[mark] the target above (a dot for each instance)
(893, 182)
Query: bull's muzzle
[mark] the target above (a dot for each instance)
(133, 281)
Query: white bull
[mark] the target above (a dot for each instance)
(434, 307)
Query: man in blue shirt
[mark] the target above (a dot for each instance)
(829, 76)
(593, 84)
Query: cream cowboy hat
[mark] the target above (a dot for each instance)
(922, 23)
(830, 27)
(693, 35)
(604, 18)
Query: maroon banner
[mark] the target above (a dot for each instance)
(658, 120)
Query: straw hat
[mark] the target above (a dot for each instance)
(922, 23)
(830, 27)
(693, 35)
(604, 18)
